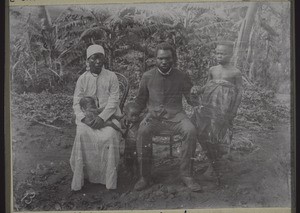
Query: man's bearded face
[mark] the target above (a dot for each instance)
(164, 60)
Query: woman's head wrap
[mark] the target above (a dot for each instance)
(93, 49)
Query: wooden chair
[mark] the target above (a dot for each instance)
(171, 142)
(124, 89)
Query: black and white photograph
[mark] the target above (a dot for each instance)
(151, 106)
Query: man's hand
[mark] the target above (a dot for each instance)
(195, 89)
(125, 122)
(97, 123)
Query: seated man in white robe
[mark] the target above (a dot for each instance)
(95, 153)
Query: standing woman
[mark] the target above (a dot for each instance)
(221, 97)
(95, 153)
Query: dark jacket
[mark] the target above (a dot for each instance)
(162, 95)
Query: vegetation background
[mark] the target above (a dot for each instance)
(47, 50)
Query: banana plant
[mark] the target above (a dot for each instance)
(55, 39)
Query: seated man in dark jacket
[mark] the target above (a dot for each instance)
(161, 90)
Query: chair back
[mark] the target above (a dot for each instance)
(124, 89)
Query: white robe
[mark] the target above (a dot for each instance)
(95, 153)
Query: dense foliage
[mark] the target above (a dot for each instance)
(259, 106)
(48, 50)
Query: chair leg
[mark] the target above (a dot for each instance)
(171, 145)
(151, 150)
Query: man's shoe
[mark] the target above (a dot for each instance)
(142, 184)
(191, 184)
(210, 172)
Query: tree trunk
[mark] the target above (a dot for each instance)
(60, 67)
(44, 15)
(251, 45)
(110, 59)
(252, 71)
(244, 35)
(46, 24)
(144, 62)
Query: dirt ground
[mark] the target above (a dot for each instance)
(257, 175)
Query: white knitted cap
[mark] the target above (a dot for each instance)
(93, 49)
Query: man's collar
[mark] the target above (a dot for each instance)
(165, 74)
